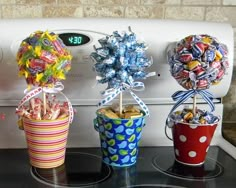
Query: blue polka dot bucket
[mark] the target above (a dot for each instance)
(119, 139)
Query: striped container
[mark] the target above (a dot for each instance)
(46, 140)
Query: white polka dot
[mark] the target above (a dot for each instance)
(203, 139)
(207, 149)
(177, 152)
(192, 154)
(193, 126)
(182, 138)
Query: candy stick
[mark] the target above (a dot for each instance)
(44, 103)
(121, 98)
(194, 105)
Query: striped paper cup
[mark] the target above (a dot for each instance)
(46, 140)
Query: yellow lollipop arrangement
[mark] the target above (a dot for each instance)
(44, 60)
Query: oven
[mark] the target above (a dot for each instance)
(83, 167)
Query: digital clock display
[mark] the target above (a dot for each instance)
(74, 39)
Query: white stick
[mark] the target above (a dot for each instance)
(121, 103)
(194, 105)
(44, 103)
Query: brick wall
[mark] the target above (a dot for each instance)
(207, 10)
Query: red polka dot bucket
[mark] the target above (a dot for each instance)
(192, 141)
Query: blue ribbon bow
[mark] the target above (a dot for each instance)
(110, 94)
(182, 96)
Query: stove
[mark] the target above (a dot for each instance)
(156, 166)
(83, 167)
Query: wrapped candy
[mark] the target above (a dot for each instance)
(129, 112)
(201, 117)
(120, 62)
(120, 59)
(198, 61)
(43, 59)
(54, 110)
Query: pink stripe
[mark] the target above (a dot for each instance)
(46, 126)
(47, 141)
(45, 144)
(46, 135)
(47, 159)
(45, 132)
(49, 123)
(47, 150)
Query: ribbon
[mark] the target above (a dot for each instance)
(110, 94)
(182, 96)
(58, 87)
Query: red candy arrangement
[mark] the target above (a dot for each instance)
(198, 61)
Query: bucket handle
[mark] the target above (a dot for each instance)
(166, 126)
(95, 124)
(167, 133)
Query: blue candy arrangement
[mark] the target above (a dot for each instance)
(119, 62)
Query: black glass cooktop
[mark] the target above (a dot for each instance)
(155, 168)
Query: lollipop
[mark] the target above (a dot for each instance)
(198, 61)
(119, 62)
(43, 59)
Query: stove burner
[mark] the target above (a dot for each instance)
(166, 163)
(154, 186)
(79, 170)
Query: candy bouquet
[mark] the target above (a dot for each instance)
(120, 62)
(44, 60)
(196, 62)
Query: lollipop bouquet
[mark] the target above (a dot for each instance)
(44, 60)
(196, 62)
(119, 62)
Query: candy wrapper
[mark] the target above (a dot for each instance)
(120, 62)
(129, 112)
(200, 118)
(34, 110)
(43, 59)
(198, 61)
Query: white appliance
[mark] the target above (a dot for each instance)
(81, 88)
